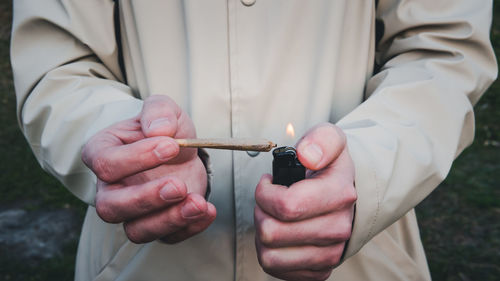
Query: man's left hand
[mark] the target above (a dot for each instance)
(301, 231)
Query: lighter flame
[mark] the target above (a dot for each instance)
(290, 131)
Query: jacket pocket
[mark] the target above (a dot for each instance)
(118, 262)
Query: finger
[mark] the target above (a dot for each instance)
(160, 224)
(159, 116)
(307, 198)
(320, 146)
(113, 163)
(118, 204)
(192, 229)
(123, 132)
(319, 231)
(298, 258)
(127, 131)
(193, 174)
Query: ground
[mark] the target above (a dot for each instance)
(460, 220)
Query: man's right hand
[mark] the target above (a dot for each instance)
(145, 181)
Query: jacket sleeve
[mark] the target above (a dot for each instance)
(436, 60)
(67, 82)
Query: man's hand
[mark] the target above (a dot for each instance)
(302, 230)
(145, 181)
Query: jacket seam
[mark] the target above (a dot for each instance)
(375, 217)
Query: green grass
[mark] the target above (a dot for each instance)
(460, 221)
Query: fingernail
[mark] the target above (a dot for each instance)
(164, 151)
(161, 122)
(313, 153)
(170, 192)
(190, 210)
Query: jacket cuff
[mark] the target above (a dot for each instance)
(205, 158)
(368, 202)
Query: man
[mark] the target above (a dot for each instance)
(245, 69)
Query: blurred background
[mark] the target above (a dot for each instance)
(40, 221)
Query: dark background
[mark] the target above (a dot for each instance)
(459, 221)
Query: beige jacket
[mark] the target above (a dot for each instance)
(246, 69)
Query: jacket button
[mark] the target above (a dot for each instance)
(248, 2)
(252, 153)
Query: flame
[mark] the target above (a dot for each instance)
(290, 131)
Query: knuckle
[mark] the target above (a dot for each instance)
(133, 234)
(267, 232)
(350, 194)
(340, 233)
(347, 194)
(335, 257)
(102, 168)
(259, 192)
(105, 211)
(267, 259)
(346, 230)
(343, 235)
(288, 209)
(336, 260)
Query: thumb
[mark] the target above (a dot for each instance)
(159, 116)
(320, 146)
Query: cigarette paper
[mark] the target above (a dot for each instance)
(245, 144)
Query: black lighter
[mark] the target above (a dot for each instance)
(287, 168)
